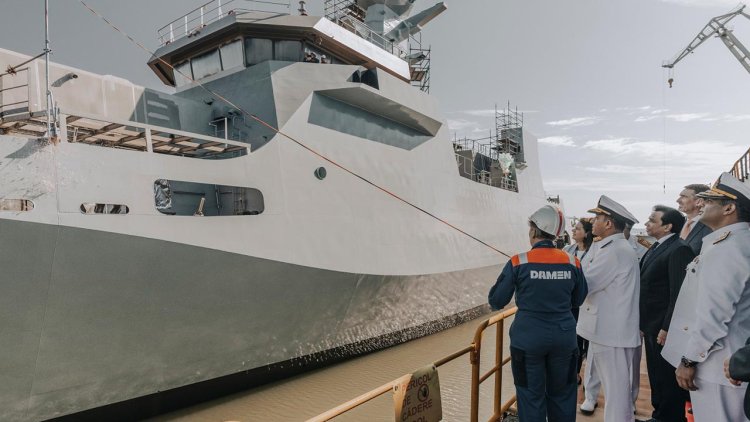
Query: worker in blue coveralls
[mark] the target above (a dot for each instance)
(548, 284)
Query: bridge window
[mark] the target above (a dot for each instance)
(288, 51)
(174, 197)
(17, 205)
(95, 208)
(258, 50)
(231, 55)
(183, 74)
(206, 64)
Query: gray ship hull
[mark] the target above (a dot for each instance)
(110, 293)
(147, 316)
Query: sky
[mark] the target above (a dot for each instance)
(586, 73)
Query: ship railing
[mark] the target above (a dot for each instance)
(489, 148)
(485, 146)
(741, 168)
(348, 15)
(196, 19)
(14, 87)
(477, 377)
(124, 134)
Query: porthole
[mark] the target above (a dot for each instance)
(98, 208)
(320, 173)
(8, 204)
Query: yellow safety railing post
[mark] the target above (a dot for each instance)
(474, 350)
(498, 365)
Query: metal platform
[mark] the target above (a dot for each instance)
(123, 134)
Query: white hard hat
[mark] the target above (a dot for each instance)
(549, 219)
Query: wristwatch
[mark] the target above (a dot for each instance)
(687, 363)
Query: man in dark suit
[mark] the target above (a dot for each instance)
(694, 231)
(737, 370)
(662, 272)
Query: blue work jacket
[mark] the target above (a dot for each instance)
(546, 281)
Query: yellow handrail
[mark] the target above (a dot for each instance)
(475, 358)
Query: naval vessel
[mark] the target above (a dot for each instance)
(158, 247)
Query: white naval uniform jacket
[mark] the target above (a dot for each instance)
(609, 315)
(711, 318)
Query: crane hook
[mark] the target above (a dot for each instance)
(670, 80)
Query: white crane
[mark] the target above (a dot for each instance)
(716, 26)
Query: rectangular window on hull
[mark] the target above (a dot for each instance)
(17, 205)
(174, 197)
(96, 208)
(258, 50)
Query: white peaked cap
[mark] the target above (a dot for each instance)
(728, 187)
(610, 207)
(549, 219)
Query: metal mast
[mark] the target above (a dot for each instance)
(716, 26)
(46, 69)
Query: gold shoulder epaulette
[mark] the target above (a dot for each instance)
(645, 243)
(722, 238)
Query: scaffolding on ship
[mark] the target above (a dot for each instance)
(493, 160)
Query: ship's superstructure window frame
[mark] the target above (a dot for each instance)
(246, 52)
(287, 50)
(227, 56)
(16, 205)
(206, 64)
(183, 73)
(188, 198)
(232, 54)
(91, 208)
(258, 50)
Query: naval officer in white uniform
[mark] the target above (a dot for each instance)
(608, 318)
(711, 319)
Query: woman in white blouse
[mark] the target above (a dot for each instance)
(583, 237)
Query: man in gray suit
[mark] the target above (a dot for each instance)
(693, 231)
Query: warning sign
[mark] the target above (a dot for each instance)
(416, 397)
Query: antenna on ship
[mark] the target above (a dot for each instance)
(301, 10)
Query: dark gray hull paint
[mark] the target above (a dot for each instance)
(90, 318)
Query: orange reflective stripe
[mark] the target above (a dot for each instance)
(548, 256)
(515, 261)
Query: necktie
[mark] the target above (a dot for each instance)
(649, 252)
(686, 229)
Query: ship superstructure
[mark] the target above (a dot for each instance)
(173, 240)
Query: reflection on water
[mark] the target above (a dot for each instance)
(310, 394)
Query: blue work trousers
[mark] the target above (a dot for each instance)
(544, 359)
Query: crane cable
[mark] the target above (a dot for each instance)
(664, 130)
(291, 138)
